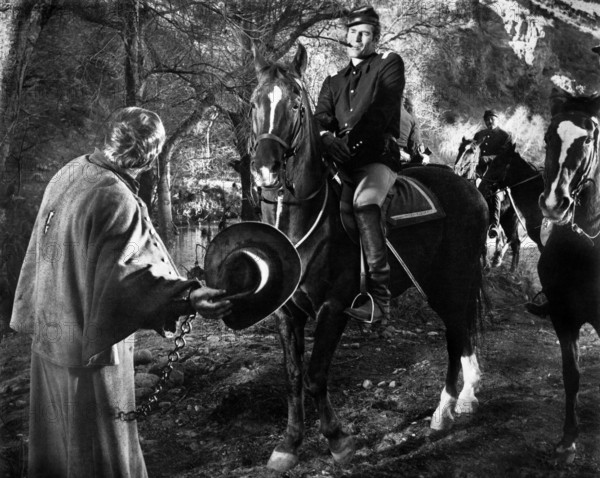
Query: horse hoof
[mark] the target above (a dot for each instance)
(281, 461)
(466, 407)
(442, 420)
(344, 450)
(565, 455)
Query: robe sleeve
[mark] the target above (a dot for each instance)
(132, 281)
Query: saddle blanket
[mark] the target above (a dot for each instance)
(410, 202)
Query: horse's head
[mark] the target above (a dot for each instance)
(467, 159)
(464, 144)
(280, 119)
(572, 142)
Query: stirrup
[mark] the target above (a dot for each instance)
(370, 298)
(494, 232)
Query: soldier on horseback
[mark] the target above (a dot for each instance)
(412, 149)
(358, 113)
(492, 141)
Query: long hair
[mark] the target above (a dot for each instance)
(134, 138)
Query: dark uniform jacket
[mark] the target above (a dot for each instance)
(362, 104)
(492, 141)
(95, 269)
(410, 134)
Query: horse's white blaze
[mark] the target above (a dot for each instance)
(265, 176)
(274, 97)
(568, 132)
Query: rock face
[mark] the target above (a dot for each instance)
(506, 55)
(514, 52)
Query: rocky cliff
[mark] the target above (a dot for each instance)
(509, 56)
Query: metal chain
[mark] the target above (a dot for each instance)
(144, 409)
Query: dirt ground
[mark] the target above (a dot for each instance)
(225, 410)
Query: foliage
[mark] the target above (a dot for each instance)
(191, 62)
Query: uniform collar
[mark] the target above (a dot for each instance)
(363, 65)
(100, 159)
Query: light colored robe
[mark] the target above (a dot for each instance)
(95, 272)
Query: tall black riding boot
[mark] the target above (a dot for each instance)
(372, 234)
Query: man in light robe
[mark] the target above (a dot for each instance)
(95, 272)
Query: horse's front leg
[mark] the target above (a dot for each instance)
(568, 337)
(290, 323)
(331, 323)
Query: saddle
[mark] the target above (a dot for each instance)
(408, 202)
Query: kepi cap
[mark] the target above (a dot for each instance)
(489, 114)
(361, 15)
(257, 265)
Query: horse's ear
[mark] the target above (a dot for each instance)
(259, 61)
(558, 97)
(300, 60)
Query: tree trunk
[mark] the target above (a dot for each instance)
(129, 11)
(131, 39)
(241, 125)
(163, 193)
(21, 23)
(165, 211)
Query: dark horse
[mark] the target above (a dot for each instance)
(298, 197)
(469, 165)
(569, 266)
(508, 172)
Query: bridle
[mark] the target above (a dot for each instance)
(585, 179)
(289, 152)
(274, 195)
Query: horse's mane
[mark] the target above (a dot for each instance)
(563, 102)
(531, 165)
(512, 151)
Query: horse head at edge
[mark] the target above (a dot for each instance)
(572, 148)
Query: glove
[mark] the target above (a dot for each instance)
(335, 148)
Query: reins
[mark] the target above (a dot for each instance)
(512, 186)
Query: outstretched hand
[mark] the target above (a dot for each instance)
(336, 148)
(205, 302)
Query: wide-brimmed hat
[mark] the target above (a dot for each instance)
(257, 265)
(362, 15)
